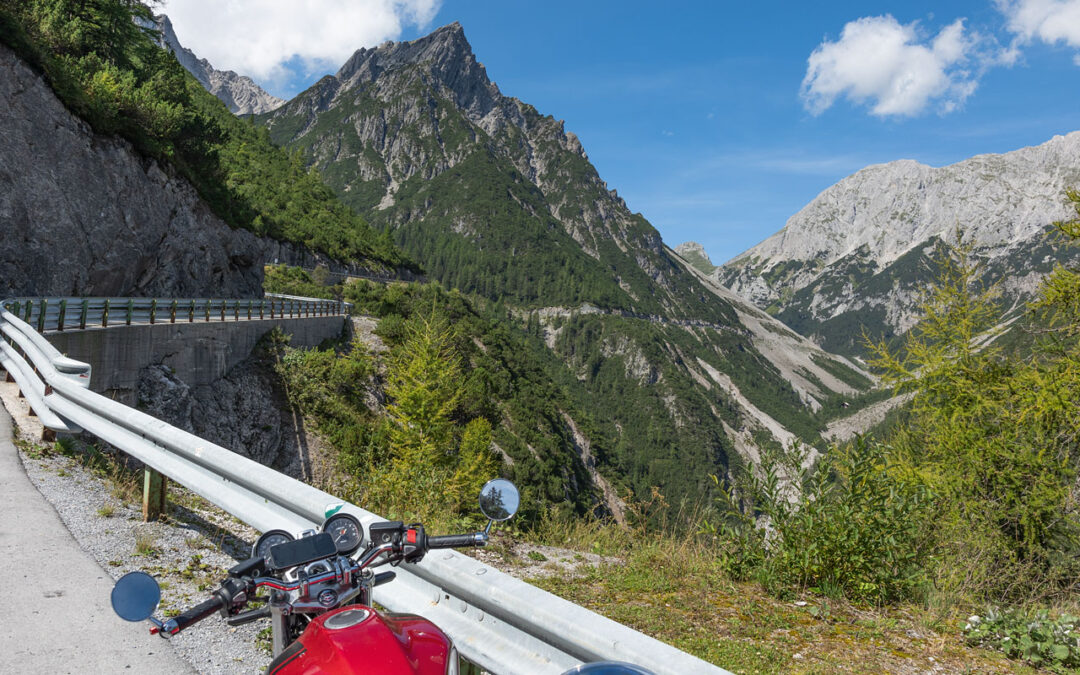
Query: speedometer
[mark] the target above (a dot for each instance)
(269, 539)
(347, 532)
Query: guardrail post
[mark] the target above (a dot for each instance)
(105, 314)
(206, 310)
(41, 315)
(153, 310)
(262, 309)
(236, 310)
(130, 311)
(191, 312)
(29, 310)
(172, 311)
(82, 314)
(60, 319)
(271, 308)
(223, 303)
(250, 303)
(154, 491)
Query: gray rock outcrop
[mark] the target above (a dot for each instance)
(238, 92)
(863, 250)
(83, 214)
(245, 411)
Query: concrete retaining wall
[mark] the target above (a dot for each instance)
(198, 353)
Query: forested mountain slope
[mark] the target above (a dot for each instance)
(493, 198)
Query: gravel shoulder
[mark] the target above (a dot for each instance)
(188, 553)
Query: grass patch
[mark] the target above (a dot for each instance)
(146, 544)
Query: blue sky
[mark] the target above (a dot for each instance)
(713, 119)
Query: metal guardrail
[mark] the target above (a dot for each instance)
(497, 622)
(60, 314)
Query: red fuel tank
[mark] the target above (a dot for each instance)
(357, 640)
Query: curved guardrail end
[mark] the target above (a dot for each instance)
(78, 371)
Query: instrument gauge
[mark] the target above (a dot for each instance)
(268, 540)
(347, 532)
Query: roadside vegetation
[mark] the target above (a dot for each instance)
(953, 532)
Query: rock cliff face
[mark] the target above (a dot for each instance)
(238, 92)
(246, 411)
(864, 248)
(86, 215)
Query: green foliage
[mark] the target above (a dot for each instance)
(856, 528)
(109, 70)
(503, 379)
(995, 436)
(296, 281)
(1041, 641)
(1061, 291)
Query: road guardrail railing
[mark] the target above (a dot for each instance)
(497, 622)
(60, 314)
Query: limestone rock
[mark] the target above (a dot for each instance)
(238, 92)
(84, 214)
(864, 248)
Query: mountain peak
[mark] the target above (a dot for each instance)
(238, 92)
(445, 54)
(694, 253)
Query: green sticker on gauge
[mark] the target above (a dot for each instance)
(331, 509)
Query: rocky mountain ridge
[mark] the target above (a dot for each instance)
(238, 92)
(493, 198)
(862, 251)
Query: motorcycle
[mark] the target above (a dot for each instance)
(318, 596)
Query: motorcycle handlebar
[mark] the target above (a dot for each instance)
(193, 615)
(457, 540)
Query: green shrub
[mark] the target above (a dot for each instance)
(857, 528)
(1037, 639)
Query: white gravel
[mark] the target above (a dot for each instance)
(195, 534)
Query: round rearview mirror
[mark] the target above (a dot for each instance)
(135, 596)
(499, 499)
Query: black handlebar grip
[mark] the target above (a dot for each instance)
(454, 541)
(194, 615)
(383, 577)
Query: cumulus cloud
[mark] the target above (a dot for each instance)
(1050, 21)
(892, 68)
(271, 40)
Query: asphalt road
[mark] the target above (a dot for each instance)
(56, 614)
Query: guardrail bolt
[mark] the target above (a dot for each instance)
(155, 487)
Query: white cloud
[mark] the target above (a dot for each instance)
(890, 67)
(266, 39)
(1051, 21)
